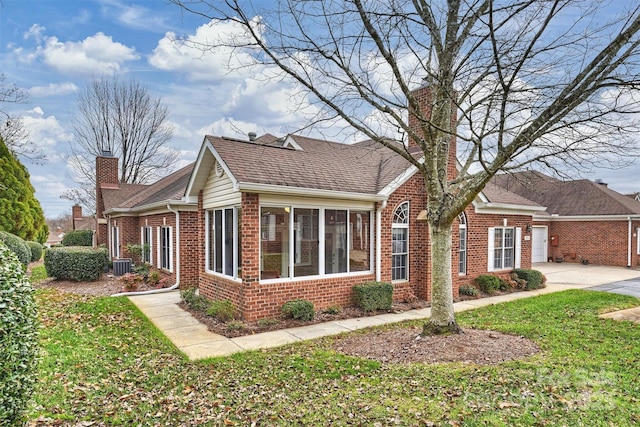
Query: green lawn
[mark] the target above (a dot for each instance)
(103, 361)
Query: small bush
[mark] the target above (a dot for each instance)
(534, 278)
(223, 310)
(18, 338)
(487, 283)
(373, 296)
(234, 326)
(75, 263)
(18, 246)
(142, 269)
(36, 251)
(469, 290)
(193, 300)
(78, 238)
(154, 278)
(131, 282)
(299, 309)
(333, 310)
(265, 323)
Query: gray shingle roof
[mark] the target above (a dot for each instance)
(319, 164)
(568, 198)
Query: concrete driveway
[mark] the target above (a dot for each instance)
(620, 280)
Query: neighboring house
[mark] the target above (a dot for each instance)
(55, 237)
(268, 220)
(635, 196)
(585, 221)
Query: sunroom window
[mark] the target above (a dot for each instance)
(301, 242)
(223, 241)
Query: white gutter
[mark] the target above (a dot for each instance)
(177, 284)
(307, 192)
(378, 242)
(151, 206)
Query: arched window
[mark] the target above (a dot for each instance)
(400, 243)
(462, 238)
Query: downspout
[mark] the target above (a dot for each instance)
(629, 245)
(378, 242)
(177, 284)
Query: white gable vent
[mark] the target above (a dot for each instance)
(219, 169)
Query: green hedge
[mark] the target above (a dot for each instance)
(299, 309)
(18, 339)
(78, 238)
(534, 278)
(36, 251)
(75, 263)
(487, 283)
(371, 296)
(17, 245)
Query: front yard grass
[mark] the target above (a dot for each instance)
(104, 362)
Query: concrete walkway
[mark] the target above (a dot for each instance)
(196, 342)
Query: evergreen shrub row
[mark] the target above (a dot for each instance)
(75, 263)
(78, 238)
(17, 245)
(371, 296)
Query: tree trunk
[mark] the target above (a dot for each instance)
(442, 316)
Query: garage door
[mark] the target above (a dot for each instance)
(539, 244)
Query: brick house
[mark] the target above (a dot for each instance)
(584, 220)
(267, 220)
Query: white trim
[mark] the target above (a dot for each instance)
(517, 262)
(160, 246)
(398, 181)
(638, 239)
(490, 247)
(291, 142)
(306, 192)
(545, 244)
(142, 232)
(402, 226)
(583, 218)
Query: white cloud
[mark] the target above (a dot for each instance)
(53, 89)
(203, 55)
(47, 133)
(95, 55)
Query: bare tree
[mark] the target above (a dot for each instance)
(12, 129)
(548, 83)
(125, 120)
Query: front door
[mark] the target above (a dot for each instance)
(539, 244)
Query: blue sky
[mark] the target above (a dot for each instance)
(53, 49)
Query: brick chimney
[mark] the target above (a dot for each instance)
(76, 213)
(106, 177)
(424, 96)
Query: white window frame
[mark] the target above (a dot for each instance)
(115, 242)
(269, 235)
(401, 223)
(161, 248)
(517, 249)
(462, 251)
(638, 239)
(209, 214)
(144, 229)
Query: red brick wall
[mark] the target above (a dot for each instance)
(600, 242)
(106, 173)
(419, 284)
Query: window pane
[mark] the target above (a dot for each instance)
(306, 247)
(359, 249)
(165, 247)
(462, 261)
(274, 243)
(217, 232)
(228, 242)
(400, 256)
(335, 238)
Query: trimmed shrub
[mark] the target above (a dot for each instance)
(18, 338)
(75, 263)
(36, 250)
(18, 246)
(469, 290)
(371, 296)
(193, 300)
(299, 309)
(223, 310)
(534, 278)
(487, 283)
(78, 238)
